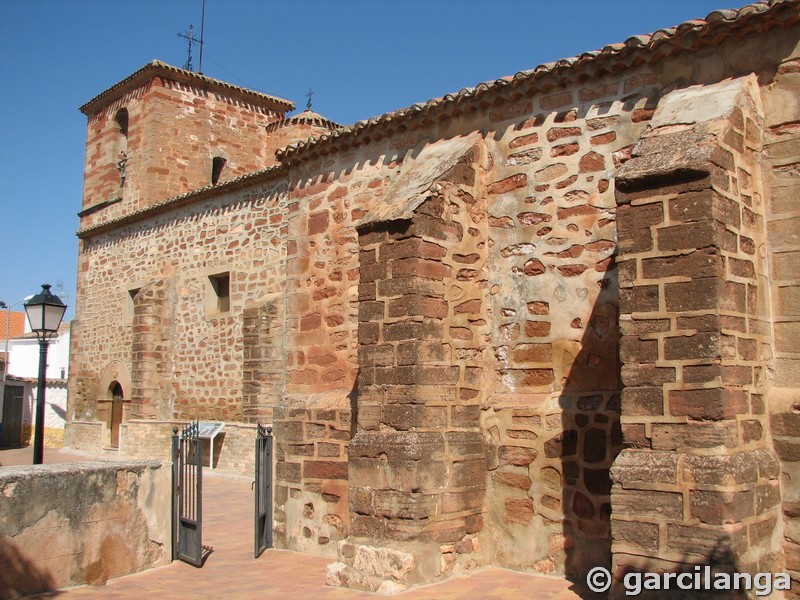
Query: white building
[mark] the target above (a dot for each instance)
(19, 398)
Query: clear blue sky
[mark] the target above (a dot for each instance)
(362, 58)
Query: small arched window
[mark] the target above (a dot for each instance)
(217, 165)
(121, 120)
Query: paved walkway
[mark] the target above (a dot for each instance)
(231, 571)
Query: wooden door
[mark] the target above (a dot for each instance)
(12, 417)
(116, 414)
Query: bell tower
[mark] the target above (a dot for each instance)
(165, 131)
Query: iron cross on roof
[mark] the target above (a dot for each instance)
(308, 96)
(191, 40)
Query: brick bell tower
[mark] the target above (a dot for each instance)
(165, 131)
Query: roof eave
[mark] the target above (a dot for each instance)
(161, 69)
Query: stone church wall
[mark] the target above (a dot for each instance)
(454, 358)
(181, 352)
(782, 183)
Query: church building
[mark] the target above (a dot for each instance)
(547, 323)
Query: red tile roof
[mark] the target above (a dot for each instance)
(16, 326)
(691, 36)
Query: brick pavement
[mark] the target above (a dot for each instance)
(230, 571)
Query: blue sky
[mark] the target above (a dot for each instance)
(361, 57)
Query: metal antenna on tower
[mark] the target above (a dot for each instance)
(191, 40)
(202, 30)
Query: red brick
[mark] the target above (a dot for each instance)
(537, 328)
(501, 222)
(564, 150)
(536, 353)
(572, 270)
(513, 480)
(419, 306)
(511, 111)
(530, 219)
(639, 299)
(698, 294)
(508, 184)
(604, 138)
(310, 322)
(642, 114)
(318, 223)
(698, 346)
(539, 308)
(515, 455)
(469, 307)
(524, 140)
(700, 263)
(534, 267)
(642, 401)
(315, 469)
(418, 267)
(411, 248)
(591, 162)
(556, 133)
(601, 91)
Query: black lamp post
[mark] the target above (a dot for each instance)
(45, 311)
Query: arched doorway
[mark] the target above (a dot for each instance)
(116, 413)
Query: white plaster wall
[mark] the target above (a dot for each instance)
(24, 357)
(55, 405)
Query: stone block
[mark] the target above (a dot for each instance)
(516, 455)
(562, 444)
(642, 401)
(698, 294)
(636, 533)
(668, 436)
(647, 503)
(393, 504)
(712, 404)
(639, 299)
(705, 541)
(717, 508)
(644, 375)
(632, 468)
(706, 262)
(518, 511)
(514, 480)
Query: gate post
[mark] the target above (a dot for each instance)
(175, 491)
(263, 499)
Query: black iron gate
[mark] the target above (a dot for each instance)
(263, 503)
(187, 495)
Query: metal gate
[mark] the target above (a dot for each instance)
(187, 495)
(263, 503)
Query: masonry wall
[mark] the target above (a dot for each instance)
(782, 183)
(315, 418)
(552, 420)
(176, 355)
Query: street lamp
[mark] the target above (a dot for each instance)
(45, 312)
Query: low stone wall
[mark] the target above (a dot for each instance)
(81, 523)
(86, 436)
(234, 446)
